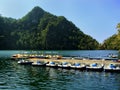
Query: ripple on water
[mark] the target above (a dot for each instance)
(17, 77)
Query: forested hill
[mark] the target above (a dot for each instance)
(40, 30)
(113, 42)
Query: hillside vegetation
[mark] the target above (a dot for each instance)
(113, 42)
(40, 30)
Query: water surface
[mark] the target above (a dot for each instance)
(18, 77)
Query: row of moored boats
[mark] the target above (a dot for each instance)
(79, 66)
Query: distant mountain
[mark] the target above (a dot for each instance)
(41, 30)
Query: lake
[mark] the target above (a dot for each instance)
(18, 77)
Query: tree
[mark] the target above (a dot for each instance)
(118, 27)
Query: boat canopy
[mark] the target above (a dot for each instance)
(52, 62)
(77, 64)
(112, 66)
(94, 64)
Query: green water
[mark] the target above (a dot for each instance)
(20, 77)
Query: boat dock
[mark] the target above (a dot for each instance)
(60, 59)
(94, 64)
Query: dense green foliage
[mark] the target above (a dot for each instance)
(113, 42)
(42, 30)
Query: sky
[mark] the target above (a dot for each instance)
(97, 18)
